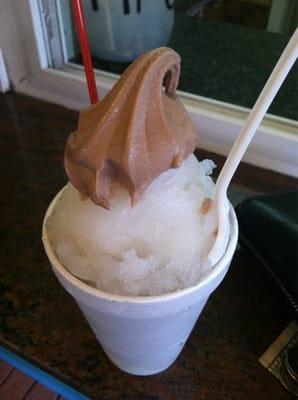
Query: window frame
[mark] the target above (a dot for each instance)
(25, 50)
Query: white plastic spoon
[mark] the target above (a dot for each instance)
(240, 145)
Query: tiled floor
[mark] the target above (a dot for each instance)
(14, 385)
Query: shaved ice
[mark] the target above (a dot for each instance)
(155, 246)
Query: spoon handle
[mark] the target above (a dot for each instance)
(258, 111)
(244, 138)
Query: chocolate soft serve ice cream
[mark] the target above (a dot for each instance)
(138, 216)
(134, 134)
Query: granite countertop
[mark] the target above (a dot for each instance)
(232, 63)
(227, 62)
(42, 323)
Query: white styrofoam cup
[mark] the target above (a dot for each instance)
(142, 335)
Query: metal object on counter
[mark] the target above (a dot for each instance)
(289, 370)
(281, 358)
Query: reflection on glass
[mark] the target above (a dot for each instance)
(228, 47)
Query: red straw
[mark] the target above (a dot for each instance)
(84, 45)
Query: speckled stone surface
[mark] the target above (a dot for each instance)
(231, 63)
(41, 322)
(227, 62)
